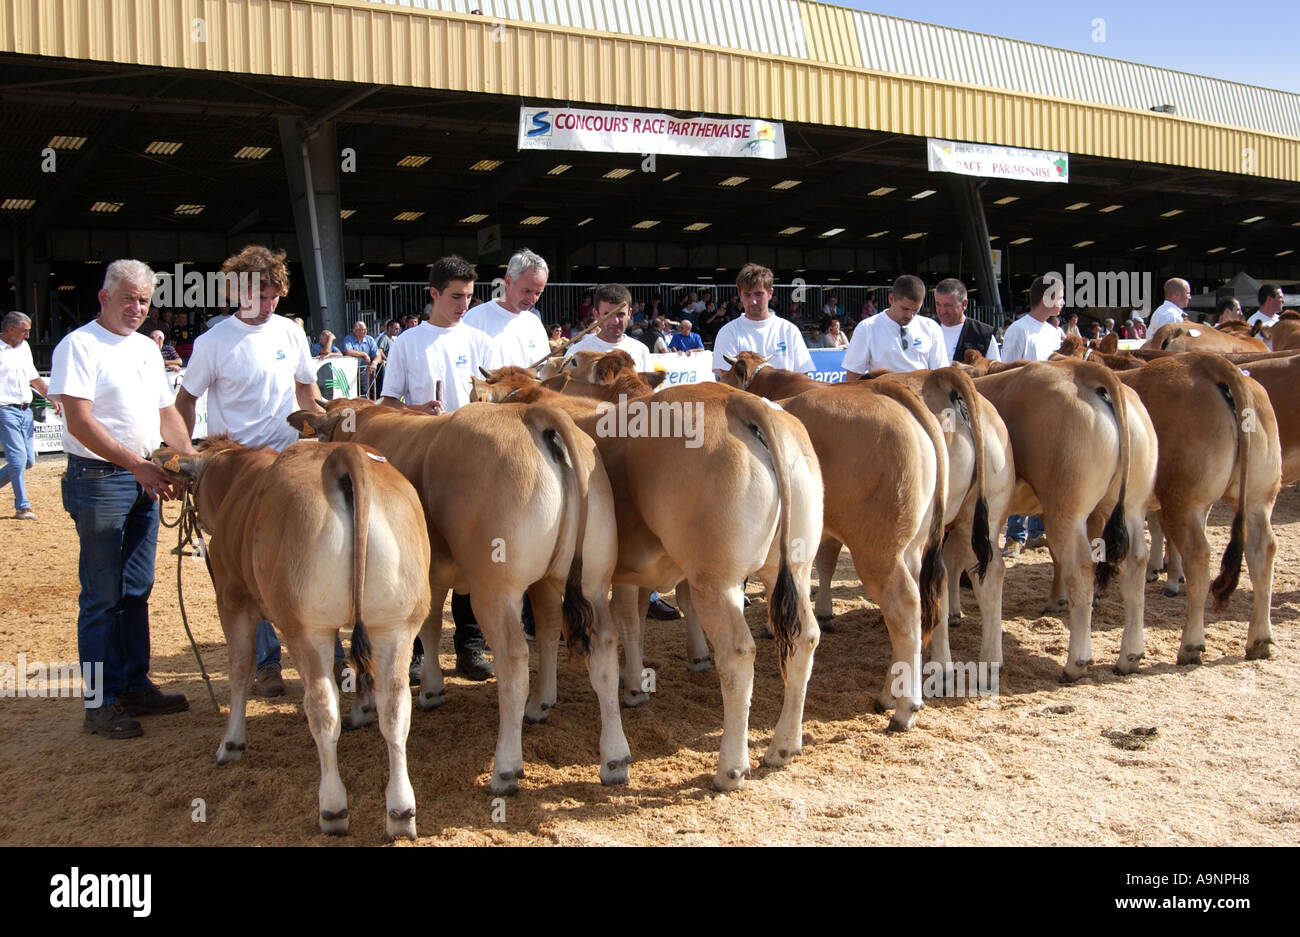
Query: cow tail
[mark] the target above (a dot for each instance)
(1236, 393)
(1114, 535)
(933, 575)
(560, 435)
(347, 466)
(783, 610)
(961, 389)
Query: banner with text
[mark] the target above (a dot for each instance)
(569, 128)
(998, 162)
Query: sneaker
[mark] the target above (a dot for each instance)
(1037, 543)
(662, 611)
(472, 665)
(417, 664)
(152, 701)
(1012, 549)
(26, 514)
(112, 722)
(269, 683)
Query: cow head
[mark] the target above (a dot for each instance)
(185, 467)
(552, 367)
(339, 418)
(744, 366)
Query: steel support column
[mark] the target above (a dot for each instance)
(975, 234)
(311, 165)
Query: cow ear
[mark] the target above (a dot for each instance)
(177, 465)
(478, 389)
(1109, 345)
(653, 378)
(607, 369)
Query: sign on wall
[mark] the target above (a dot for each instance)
(997, 162)
(594, 131)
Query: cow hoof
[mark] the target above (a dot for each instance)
(1128, 664)
(400, 825)
(1260, 650)
(1056, 607)
(879, 707)
(359, 717)
(954, 620)
(1153, 574)
(699, 664)
(230, 752)
(634, 698)
(504, 784)
(1067, 677)
(733, 780)
(901, 722)
(428, 700)
(534, 720)
(615, 771)
(826, 624)
(1170, 591)
(1190, 655)
(779, 758)
(334, 823)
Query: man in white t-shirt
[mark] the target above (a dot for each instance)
(1178, 293)
(1032, 338)
(256, 369)
(613, 300)
(18, 378)
(518, 331)
(117, 405)
(1270, 305)
(898, 340)
(961, 334)
(431, 367)
(758, 330)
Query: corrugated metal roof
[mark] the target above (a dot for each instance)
(823, 33)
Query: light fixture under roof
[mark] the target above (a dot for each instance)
(645, 225)
(1109, 208)
(1252, 219)
(473, 219)
(831, 232)
(1166, 247)
(1077, 205)
(347, 212)
(396, 265)
(1283, 253)
(107, 207)
(924, 193)
(1008, 199)
(621, 173)
(1215, 250)
(163, 147)
(532, 220)
(881, 190)
(1085, 243)
(188, 209)
(1172, 213)
(413, 161)
(252, 152)
(697, 226)
(914, 235)
(559, 169)
(66, 143)
(66, 288)
(793, 229)
(785, 184)
(876, 234)
(408, 216)
(1018, 241)
(585, 221)
(732, 181)
(486, 165)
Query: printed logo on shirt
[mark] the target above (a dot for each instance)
(279, 354)
(916, 342)
(462, 361)
(780, 346)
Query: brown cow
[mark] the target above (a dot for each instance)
(1285, 335)
(1085, 457)
(1280, 377)
(1218, 440)
(516, 500)
(318, 538)
(741, 493)
(1191, 336)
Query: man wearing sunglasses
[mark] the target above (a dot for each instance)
(898, 340)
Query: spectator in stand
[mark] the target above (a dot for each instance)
(794, 312)
(686, 341)
(733, 309)
(835, 337)
(1107, 326)
(557, 339)
(814, 338)
(584, 307)
(638, 321)
(357, 344)
(832, 308)
(1139, 328)
(324, 346)
(567, 331)
(171, 360)
(656, 308)
(1072, 325)
(385, 343)
(868, 309)
(653, 336)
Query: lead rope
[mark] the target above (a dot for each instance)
(188, 531)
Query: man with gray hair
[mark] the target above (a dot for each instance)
(511, 320)
(118, 407)
(17, 432)
(961, 334)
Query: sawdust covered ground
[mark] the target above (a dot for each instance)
(1045, 764)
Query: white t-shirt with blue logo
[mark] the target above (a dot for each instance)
(520, 336)
(775, 337)
(879, 342)
(250, 373)
(640, 354)
(421, 357)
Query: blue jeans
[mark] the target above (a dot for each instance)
(18, 439)
(117, 524)
(1016, 527)
(267, 646)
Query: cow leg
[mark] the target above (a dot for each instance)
(629, 607)
(787, 739)
(721, 607)
(602, 669)
(547, 622)
(1059, 598)
(1132, 583)
(988, 595)
(697, 648)
(1070, 549)
(1261, 548)
(431, 686)
(239, 624)
(828, 555)
(953, 559)
(1175, 575)
(1156, 561)
(315, 661)
(900, 604)
(1185, 531)
(392, 657)
(499, 615)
